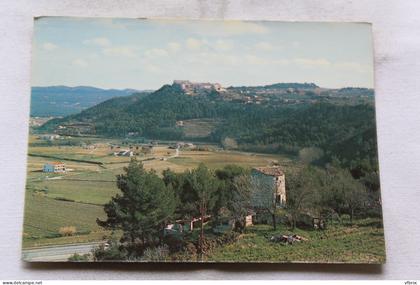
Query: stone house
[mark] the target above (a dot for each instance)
(269, 187)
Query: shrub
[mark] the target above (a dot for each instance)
(79, 257)
(64, 199)
(208, 245)
(114, 252)
(156, 254)
(189, 253)
(53, 235)
(67, 231)
(175, 243)
(227, 238)
(84, 232)
(190, 249)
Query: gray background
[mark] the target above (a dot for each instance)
(396, 28)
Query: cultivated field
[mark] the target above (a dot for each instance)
(361, 243)
(75, 198)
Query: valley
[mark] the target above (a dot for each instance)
(76, 198)
(182, 127)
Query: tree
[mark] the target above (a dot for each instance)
(355, 195)
(233, 194)
(186, 206)
(342, 193)
(241, 199)
(143, 207)
(302, 192)
(229, 143)
(204, 185)
(309, 155)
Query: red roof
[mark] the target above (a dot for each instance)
(56, 163)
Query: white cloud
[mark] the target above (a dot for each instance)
(295, 44)
(122, 51)
(223, 45)
(152, 68)
(234, 60)
(255, 60)
(79, 62)
(353, 66)
(220, 45)
(344, 66)
(93, 56)
(281, 61)
(264, 46)
(174, 46)
(155, 52)
(103, 42)
(312, 62)
(49, 46)
(213, 58)
(194, 44)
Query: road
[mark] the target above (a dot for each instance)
(56, 253)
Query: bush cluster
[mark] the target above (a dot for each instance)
(67, 231)
(209, 244)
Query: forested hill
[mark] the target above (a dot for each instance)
(64, 100)
(341, 128)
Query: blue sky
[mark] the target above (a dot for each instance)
(145, 54)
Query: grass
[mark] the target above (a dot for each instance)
(84, 184)
(81, 191)
(91, 237)
(218, 159)
(45, 216)
(361, 243)
(84, 187)
(198, 128)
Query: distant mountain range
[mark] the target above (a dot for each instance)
(63, 100)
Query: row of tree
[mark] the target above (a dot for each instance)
(331, 193)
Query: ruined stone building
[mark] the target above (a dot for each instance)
(269, 187)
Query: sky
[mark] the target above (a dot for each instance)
(146, 54)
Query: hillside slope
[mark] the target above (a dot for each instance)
(63, 100)
(341, 130)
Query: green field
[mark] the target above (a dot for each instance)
(76, 199)
(44, 216)
(198, 128)
(360, 243)
(88, 186)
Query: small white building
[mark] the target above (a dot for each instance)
(49, 137)
(126, 152)
(54, 167)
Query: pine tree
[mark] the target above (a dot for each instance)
(204, 184)
(142, 209)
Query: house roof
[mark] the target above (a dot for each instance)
(55, 163)
(272, 171)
